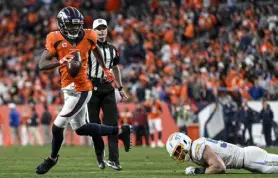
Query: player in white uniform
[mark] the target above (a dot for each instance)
(215, 157)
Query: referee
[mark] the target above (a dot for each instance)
(103, 96)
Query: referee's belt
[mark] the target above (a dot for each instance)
(99, 80)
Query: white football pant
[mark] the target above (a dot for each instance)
(74, 109)
(259, 160)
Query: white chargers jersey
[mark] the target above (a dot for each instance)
(232, 155)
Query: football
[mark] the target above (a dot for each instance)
(74, 66)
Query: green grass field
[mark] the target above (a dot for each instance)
(80, 162)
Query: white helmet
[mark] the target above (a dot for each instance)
(178, 146)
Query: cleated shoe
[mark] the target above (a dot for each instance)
(125, 136)
(101, 165)
(46, 165)
(114, 165)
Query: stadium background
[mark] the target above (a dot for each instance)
(185, 52)
(199, 55)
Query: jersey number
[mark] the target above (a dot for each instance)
(177, 137)
(221, 143)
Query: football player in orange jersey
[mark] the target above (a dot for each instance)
(77, 91)
(154, 110)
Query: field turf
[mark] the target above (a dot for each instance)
(80, 162)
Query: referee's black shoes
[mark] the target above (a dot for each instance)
(125, 136)
(114, 165)
(101, 165)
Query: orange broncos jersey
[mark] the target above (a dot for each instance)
(155, 111)
(57, 44)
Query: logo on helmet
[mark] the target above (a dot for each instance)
(62, 15)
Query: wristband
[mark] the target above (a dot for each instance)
(120, 88)
(200, 170)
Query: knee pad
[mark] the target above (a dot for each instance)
(57, 130)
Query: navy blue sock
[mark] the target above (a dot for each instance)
(57, 140)
(93, 129)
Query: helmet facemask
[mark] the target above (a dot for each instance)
(180, 154)
(72, 29)
(179, 147)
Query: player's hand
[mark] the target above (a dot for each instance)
(124, 96)
(109, 76)
(68, 57)
(189, 170)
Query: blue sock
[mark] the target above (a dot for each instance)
(57, 140)
(93, 129)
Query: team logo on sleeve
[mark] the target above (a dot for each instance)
(197, 149)
(64, 45)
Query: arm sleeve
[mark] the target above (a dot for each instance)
(116, 59)
(93, 37)
(50, 43)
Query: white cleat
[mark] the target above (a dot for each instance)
(160, 144)
(153, 145)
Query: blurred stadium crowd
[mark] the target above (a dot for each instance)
(180, 51)
(186, 53)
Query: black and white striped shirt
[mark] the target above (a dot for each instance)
(111, 58)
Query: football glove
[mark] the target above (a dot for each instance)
(190, 170)
(109, 76)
